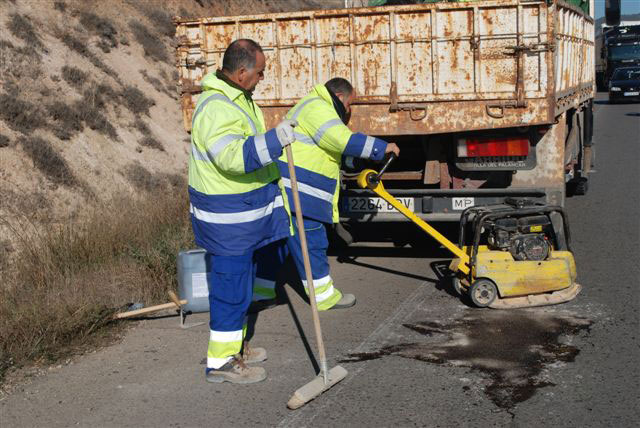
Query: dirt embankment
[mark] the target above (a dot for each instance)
(88, 101)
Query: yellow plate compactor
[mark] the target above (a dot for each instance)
(511, 255)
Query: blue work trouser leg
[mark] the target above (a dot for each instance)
(269, 259)
(230, 280)
(326, 294)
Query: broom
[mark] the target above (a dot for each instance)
(327, 378)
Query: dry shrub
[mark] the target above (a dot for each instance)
(161, 20)
(136, 101)
(4, 141)
(20, 115)
(20, 61)
(100, 95)
(157, 84)
(141, 127)
(48, 161)
(177, 181)
(91, 115)
(66, 118)
(21, 27)
(70, 279)
(102, 27)
(151, 80)
(62, 133)
(152, 45)
(60, 6)
(141, 178)
(81, 48)
(74, 76)
(151, 142)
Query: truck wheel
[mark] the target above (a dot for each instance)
(578, 186)
(483, 292)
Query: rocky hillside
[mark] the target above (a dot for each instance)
(88, 102)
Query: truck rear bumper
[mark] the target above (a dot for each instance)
(435, 204)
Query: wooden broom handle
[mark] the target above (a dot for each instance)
(307, 263)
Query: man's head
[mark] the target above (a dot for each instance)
(244, 63)
(344, 91)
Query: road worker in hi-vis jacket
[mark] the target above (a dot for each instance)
(322, 139)
(237, 205)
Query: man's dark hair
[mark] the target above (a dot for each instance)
(240, 53)
(339, 85)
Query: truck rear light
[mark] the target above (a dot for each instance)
(491, 147)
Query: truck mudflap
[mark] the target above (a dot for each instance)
(533, 300)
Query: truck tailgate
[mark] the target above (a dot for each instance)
(417, 69)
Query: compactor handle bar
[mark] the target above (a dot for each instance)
(375, 178)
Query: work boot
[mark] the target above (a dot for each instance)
(252, 355)
(236, 371)
(346, 301)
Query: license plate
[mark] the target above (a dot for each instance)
(376, 205)
(631, 94)
(462, 203)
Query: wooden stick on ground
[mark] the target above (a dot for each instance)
(149, 310)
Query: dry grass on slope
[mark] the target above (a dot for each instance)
(68, 280)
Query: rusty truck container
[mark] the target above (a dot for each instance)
(429, 77)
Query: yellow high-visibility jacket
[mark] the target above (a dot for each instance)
(321, 141)
(237, 204)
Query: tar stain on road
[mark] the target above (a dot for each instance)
(511, 348)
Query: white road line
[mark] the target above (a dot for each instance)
(380, 336)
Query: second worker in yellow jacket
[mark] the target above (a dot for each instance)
(322, 138)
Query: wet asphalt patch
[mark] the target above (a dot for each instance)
(512, 349)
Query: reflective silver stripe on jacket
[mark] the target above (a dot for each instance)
(299, 109)
(303, 138)
(237, 217)
(368, 147)
(225, 99)
(262, 149)
(310, 190)
(215, 149)
(323, 128)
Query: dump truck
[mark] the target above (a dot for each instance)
(488, 99)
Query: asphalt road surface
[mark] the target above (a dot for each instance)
(416, 354)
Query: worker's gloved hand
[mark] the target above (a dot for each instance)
(392, 148)
(284, 130)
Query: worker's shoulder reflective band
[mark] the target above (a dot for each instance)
(310, 190)
(304, 138)
(237, 217)
(225, 99)
(368, 146)
(299, 109)
(262, 150)
(215, 149)
(323, 128)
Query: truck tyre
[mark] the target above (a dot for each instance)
(578, 186)
(581, 187)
